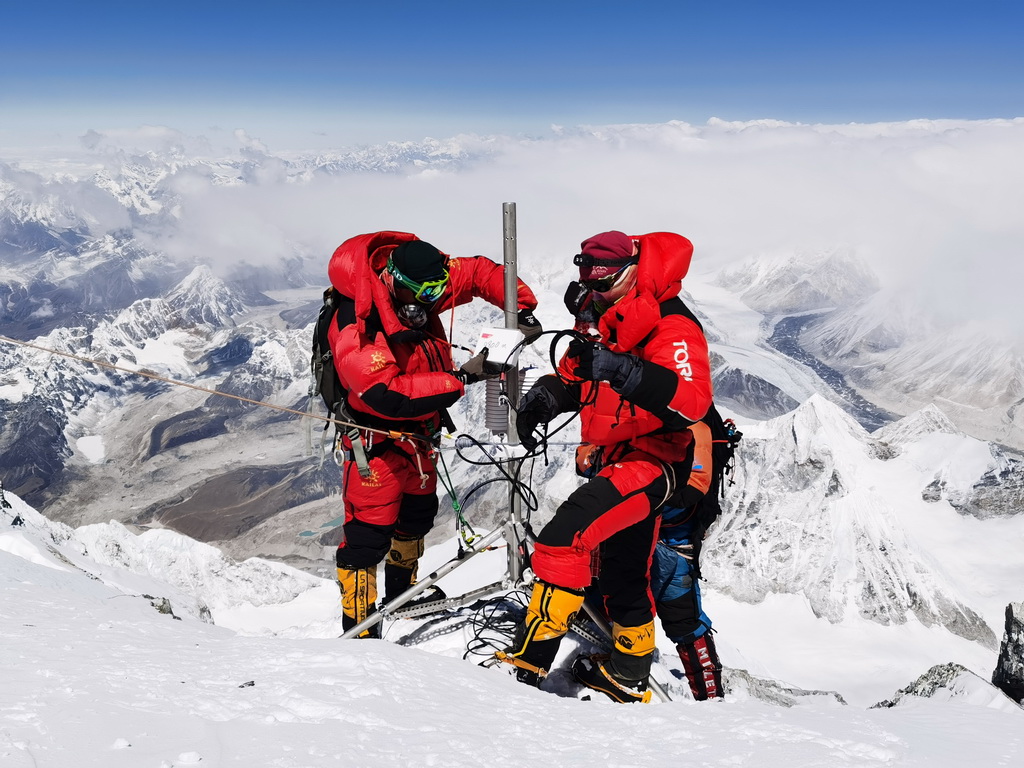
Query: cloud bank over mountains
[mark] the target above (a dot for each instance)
(931, 205)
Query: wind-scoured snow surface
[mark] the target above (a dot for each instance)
(94, 675)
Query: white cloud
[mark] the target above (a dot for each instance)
(933, 205)
(247, 141)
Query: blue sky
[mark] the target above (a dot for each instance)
(342, 73)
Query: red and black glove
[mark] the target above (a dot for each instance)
(595, 362)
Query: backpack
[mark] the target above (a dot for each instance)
(689, 521)
(724, 439)
(324, 379)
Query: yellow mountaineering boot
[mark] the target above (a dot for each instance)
(536, 643)
(401, 565)
(624, 675)
(400, 572)
(358, 597)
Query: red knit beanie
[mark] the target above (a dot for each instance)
(604, 254)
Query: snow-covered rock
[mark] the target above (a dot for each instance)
(913, 427)
(791, 284)
(744, 392)
(999, 492)
(804, 517)
(976, 478)
(203, 299)
(1009, 672)
(180, 575)
(945, 682)
(739, 683)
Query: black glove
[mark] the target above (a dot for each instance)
(476, 369)
(529, 325)
(595, 362)
(538, 406)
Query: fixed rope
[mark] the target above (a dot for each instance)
(174, 382)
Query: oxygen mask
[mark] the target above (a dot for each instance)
(412, 315)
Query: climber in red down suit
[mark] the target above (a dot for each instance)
(395, 362)
(644, 380)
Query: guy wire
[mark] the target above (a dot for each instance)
(175, 382)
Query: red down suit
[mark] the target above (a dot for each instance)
(645, 439)
(397, 379)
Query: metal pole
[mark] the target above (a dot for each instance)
(508, 211)
(514, 532)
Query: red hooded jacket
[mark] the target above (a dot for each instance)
(392, 373)
(676, 390)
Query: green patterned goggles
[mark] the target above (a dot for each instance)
(427, 292)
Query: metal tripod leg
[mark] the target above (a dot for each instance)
(598, 618)
(392, 607)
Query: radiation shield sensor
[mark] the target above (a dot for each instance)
(502, 347)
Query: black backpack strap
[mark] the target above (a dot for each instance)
(446, 421)
(676, 306)
(325, 380)
(673, 306)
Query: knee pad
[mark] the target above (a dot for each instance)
(572, 565)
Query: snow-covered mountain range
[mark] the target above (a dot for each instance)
(83, 274)
(874, 513)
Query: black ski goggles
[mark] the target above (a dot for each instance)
(586, 260)
(606, 283)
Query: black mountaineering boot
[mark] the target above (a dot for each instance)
(594, 672)
(623, 675)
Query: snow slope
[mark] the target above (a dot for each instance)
(94, 676)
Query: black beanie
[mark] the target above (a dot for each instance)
(419, 261)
